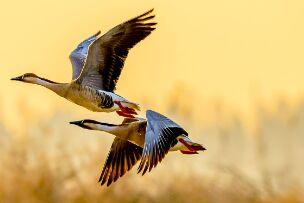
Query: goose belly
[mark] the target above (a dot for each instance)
(97, 101)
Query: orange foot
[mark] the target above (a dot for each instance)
(125, 110)
(124, 114)
(188, 152)
(192, 148)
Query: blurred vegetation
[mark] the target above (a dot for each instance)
(55, 162)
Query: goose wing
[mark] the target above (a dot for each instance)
(79, 55)
(122, 157)
(107, 54)
(161, 134)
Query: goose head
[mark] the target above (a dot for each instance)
(91, 124)
(27, 77)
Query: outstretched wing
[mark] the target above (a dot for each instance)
(107, 54)
(122, 157)
(161, 134)
(79, 55)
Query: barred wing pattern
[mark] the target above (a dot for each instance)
(122, 157)
(161, 134)
(79, 55)
(107, 54)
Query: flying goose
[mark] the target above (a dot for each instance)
(147, 140)
(97, 63)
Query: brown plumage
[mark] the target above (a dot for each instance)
(107, 54)
(97, 63)
(147, 140)
(122, 157)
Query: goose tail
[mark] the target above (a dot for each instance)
(131, 105)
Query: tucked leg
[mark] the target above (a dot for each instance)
(192, 146)
(186, 145)
(188, 152)
(126, 110)
(121, 113)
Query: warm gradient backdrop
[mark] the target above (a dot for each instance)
(237, 51)
(230, 72)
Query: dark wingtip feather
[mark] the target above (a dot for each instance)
(150, 24)
(147, 18)
(146, 13)
(145, 169)
(140, 17)
(97, 33)
(122, 157)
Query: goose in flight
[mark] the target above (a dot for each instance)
(97, 63)
(147, 140)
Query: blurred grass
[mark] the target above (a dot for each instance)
(54, 162)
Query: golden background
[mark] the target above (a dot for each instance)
(231, 72)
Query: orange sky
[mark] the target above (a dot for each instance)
(236, 51)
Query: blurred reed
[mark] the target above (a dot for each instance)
(54, 162)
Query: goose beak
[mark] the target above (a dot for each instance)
(19, 78)
(78, 123)
(81, 124)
